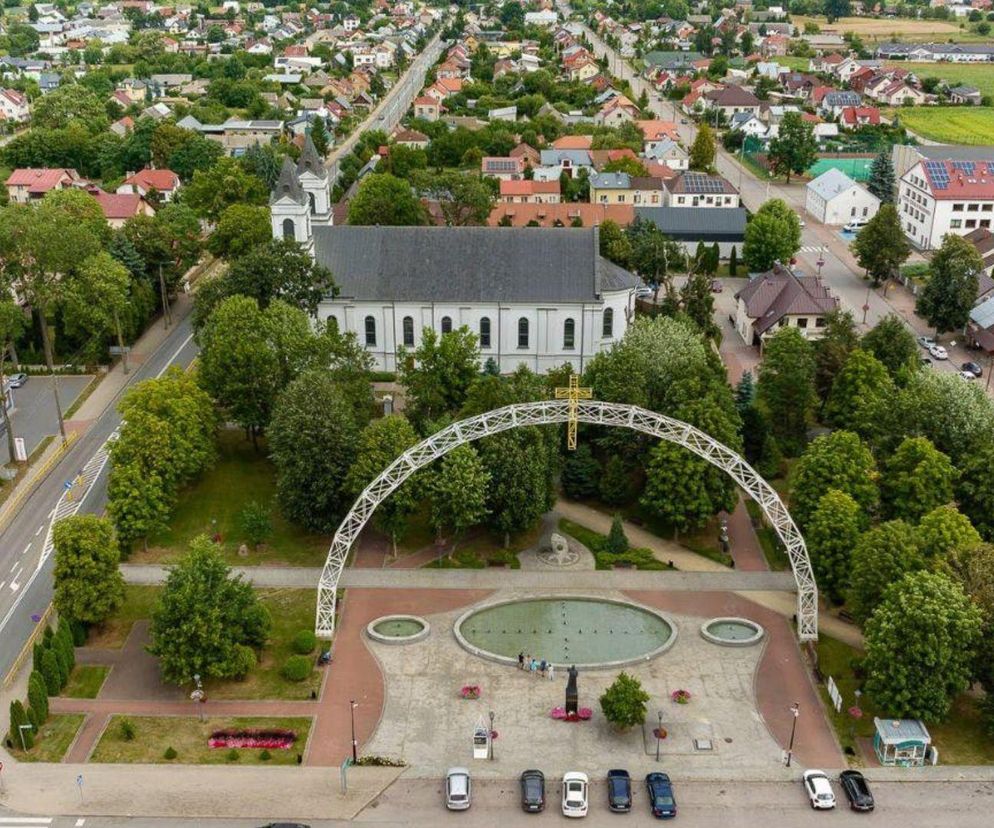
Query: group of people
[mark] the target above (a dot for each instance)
(533, 665)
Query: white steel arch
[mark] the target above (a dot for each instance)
(592, 412)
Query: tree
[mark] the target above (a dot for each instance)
(614, 243)
(319, 137)
(383, 199)
(773, 235)
(38, 694)
(733, 262)
(951, 290)
(975, 490)
(920, 646)
(881, 556)
(380, 443)
(795, 147)
(254, 523)
(69, 103)
(654, 255)
(240, 229)
(832, 349)
(617, 541)
(464, 199)
(860, 395)
(18, 718)
(313, 454)
(745, 392)
(616, 482)
(50, 671)
(944, 533)
(580, 473)
(881, 246)
(624, 702)
(206, 622)
(836, 461)
(520, 466)
(438, 374)
(972, 567)
(12, 324)
(697, 300)
(894, 345)
(626, 164)
(834, 9)
(786, 391)
(458, 490)
(214, 189)
(702, 151)
(881, 181)
(89, 586)
(916, 479)
(834, 530)
(97, 299)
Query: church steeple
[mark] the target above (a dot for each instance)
(315, 182)
(290, 208)
(310, 161)
(288, 185)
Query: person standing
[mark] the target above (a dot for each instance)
(521, 660)
(552, 670)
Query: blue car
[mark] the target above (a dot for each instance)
(660, 795)
(619, 791)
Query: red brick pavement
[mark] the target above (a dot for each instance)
(746, 551)
(781, 679)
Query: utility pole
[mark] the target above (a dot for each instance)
(165, 300)
(795, 708)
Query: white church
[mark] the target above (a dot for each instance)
(536, 296)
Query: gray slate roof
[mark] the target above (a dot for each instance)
(697, 223)
(468, 264)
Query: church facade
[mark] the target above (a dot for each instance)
(534, 296)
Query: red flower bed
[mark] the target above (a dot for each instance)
(271, 739)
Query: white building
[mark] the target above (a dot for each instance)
(834, 198)
(940, 197)
(14, 106)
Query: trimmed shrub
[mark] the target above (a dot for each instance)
(79, 633)
(170, 753)
(62, 661)
(304, 642)
(50, 671)
(64, 636)
(47, 636)
(244, 660)
(17, 718)
(617, 542)
(38, 694)
(232, 755)
(297, 668)
(265, 756)
(126, 730)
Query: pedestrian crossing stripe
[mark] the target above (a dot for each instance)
(812, 249)
(24, 822)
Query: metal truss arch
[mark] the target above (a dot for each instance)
(592, 412)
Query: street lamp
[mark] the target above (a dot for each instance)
(795, 708)
(866, 304)
(198, 694)
(659, 732)
(355, 752)
(491, 735)
(821, 264)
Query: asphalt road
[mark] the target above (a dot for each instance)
(34, 417)
(26, 589)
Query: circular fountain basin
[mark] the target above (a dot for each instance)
(732, 632)
(588, 632)
(398, 629)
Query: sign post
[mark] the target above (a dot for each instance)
(345, 776)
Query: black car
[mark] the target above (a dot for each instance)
(532, 791)
(619, 790)
(660, 795)
(857, 790)
(973, 368)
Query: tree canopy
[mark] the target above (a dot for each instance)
(951, 290)
(772, 235)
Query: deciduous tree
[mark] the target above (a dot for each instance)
(795, 147)
(860, 396)
(772, 235)
(458, 488)
(702, 151)
(975, 490)
(834, 530)
(836, 461)
(240, 229)
(882, 555)
(916, 479)
(951, 290)
(894, 345)
(945, 532)
(624, 702)
(881, 246)
(786, 388)
(437, 375)
(385, 200)
(214, 189)
(88, 584)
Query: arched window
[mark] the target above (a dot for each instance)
(370, 330)
(485, 332)
(408, 324)
(608, 327)
(310, 197)
(522, 332)
(569, 334)
(446, 324)
(289, 231)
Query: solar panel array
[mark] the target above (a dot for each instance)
(964, 166)
(937, 173)
(698, 183)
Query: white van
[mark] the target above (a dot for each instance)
(855, 225)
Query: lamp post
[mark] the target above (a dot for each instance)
(659, 732)
(866, 304)
(821, 264)
(198, 694)
(491, 740)
(355, 751)
(795, 708)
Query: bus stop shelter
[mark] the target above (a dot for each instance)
(902, 743)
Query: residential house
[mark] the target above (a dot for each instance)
(854, 117)
(527, 153)
(834, 102)
(564, 214)
(164, 182)
(670, 153)
(622, 188)
(655, 131)
(900, 93)
(412, 139)
(32, 184)
(969, 95)
(504, 113)
(427, 108)
(748, 123)
(781, 298)
(616, 112)
(503, 168)
(529, 192)
(118, 209)
(834, 198)
(14, 106)
(569, 161)
(731, 100)
(939, 197)
(696, 189)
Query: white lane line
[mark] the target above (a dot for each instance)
(25, 820)
(26, 550)
(51, 513)
(40, 529)
(172, 359)
(3, 584)
(16, 565)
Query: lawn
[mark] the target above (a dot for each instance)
(138, 604)
(950, 125)
(85, 681)
(960, 739)
(773, 551)
(594, 541)
(954, 74)
(188, 737)
(53, 739)
(213, 505)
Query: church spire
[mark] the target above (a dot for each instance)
(310, 161)
(288, 184)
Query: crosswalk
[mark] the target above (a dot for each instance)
(812, 248)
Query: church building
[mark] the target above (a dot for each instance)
(536, 296)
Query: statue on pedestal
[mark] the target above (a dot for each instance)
(572, 695)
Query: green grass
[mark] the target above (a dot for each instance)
(213, 505)
(85, 681)
(188, 737)
(773, 551)
(950, 125)
(954, 74)
(594, 541)
(138, 603)
(53, 739)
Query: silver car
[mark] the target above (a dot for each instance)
(458, 789)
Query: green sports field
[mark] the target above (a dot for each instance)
(949, 125)
(857, 169)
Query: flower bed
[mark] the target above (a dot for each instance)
(582, 715)
(471, 691)
(680, 696)
(270, 739)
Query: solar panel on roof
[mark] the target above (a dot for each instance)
(964, 166)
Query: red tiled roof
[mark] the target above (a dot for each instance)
(546, 215)
(780, 292)
(854, 114)
(117, 206)
(165, 181)
(959, 182)
(41, 180)
(573, 142)
(525, 187)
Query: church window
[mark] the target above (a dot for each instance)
(569, 334)
(288, 228)
(522, 332)
(608, 326)
(446, 324)
(485, 332)
(370, 330)
(408, 324)
(310, 198)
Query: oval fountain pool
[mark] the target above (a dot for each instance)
(398, 629)
(732, 632)
(587, 632)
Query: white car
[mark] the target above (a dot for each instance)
(575, 786)
(854, 226)
(457, 789)
(938, 352)
(819, 789)
(968, 375)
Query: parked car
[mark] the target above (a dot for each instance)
(532, 791)
(458, 789)
(619, 791)
(973, 368)
(717, 286)
(644, 292)
(661, 799)
(575, 785)
(969, 376)
(683, 121)
(819, 790)
(926, 362)
(855, 226)
(926, 342)
(938, 352)
(16, 380)
(857, 790)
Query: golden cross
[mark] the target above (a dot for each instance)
(574, 394)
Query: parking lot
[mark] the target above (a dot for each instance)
(34, 417)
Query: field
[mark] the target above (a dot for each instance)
(949, 125)
(885, 29)
(954, 74)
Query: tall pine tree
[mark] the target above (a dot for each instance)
(881, 182)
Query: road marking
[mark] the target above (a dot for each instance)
(80, 822)
(40, 528)
(51, 513)
(173, 357)
(3, 584)
(17, 565)
(26, 550)
(6, 820)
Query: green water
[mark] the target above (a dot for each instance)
(567, 631)
(732, 630)
(399, 627)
